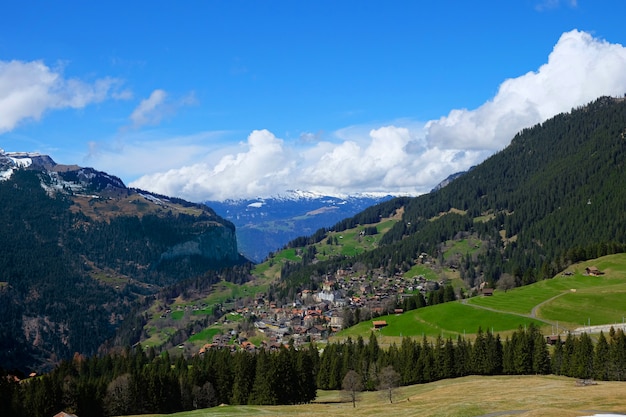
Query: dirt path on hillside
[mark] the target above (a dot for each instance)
(533, 312)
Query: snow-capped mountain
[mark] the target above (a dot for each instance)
(264, 225)
(62, 178)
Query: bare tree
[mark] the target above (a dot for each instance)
(388, 379)
(506, 282)
(352, 385)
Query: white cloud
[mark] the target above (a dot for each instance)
(29, 89)
(265, 165)
(133, 154)
(579, 69)
(152, 110)
(262, 165)
(404, 156)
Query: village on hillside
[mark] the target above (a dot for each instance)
(345, 298)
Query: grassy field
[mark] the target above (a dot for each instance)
(523, 396)
(205, 336)
(572, 300)
(447, 320)
(569, 300)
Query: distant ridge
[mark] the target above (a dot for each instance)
(265, 225)
(449, 179)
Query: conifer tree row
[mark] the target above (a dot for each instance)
(137, 381)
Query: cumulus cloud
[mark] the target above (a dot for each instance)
(405, 157)
(29, 89)
(580, 69)
(263, 165)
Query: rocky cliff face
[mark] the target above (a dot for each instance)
(216, 243)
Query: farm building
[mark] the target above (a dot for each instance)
(379, 324)
(593, 271)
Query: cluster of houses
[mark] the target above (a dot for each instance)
(316, 315)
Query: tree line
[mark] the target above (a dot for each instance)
(136, 381)
(140, 382)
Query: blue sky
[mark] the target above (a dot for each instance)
(226, 99)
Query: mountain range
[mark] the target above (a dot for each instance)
(265, 225)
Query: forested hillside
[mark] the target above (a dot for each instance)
(73, 263)
(554, 196)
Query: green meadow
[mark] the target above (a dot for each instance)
(205, 336)
(571, 300)
(446, 320)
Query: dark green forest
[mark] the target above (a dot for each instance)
(138, 382)
(68, 280)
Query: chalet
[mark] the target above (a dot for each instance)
(487, 292)
(593, 271)
(323, 331)
(379, 324)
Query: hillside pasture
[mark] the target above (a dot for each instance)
(461, 247)
(473, 396)
(448, 320)
(423, 270)
(205, 336)
(572, 300)
(581, 309)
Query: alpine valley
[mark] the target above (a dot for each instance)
(154, 311)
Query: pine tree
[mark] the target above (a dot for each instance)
(618, 356)
(522, 352)
(262, 393)
(541, 356)
(305, 370)
(557, 357)
(581, 365)
(480, 354)
(601, 358)
(462, 357)
(244, 365)
(568, 355)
